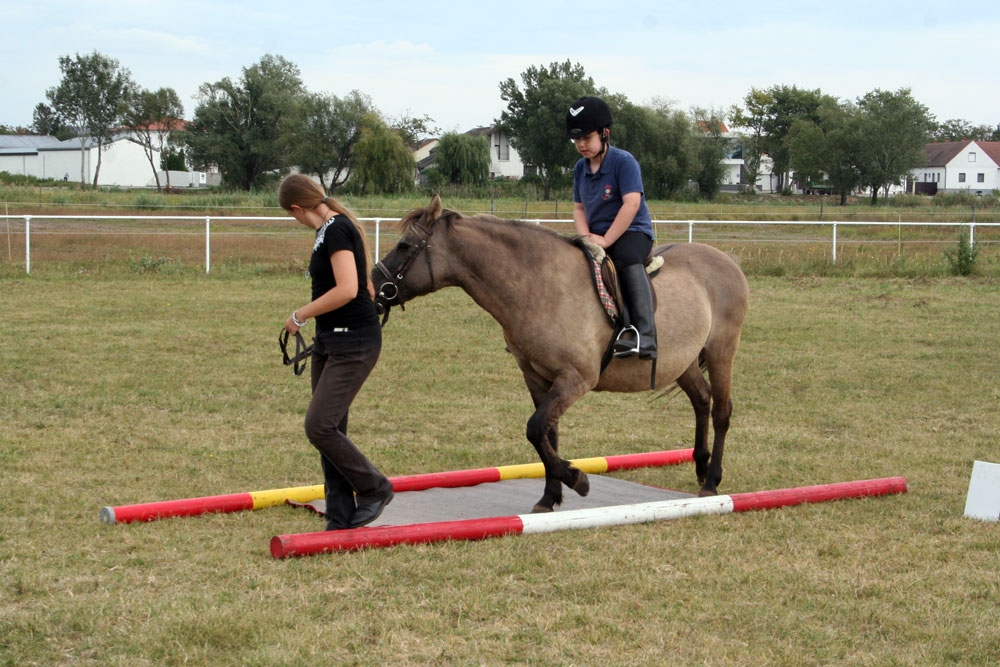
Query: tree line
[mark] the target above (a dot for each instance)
(260, 125)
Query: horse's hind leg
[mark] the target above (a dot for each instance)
(693, 383)
(720, 374)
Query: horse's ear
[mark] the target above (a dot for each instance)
(434, 209)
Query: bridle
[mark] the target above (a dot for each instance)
(302, 351)
(388, 292)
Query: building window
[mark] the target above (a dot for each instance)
(503, 148)
(972, 156)
(961, 177)
(980, 178)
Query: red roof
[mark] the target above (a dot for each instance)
(704, 125)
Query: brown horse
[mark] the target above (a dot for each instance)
(536, 283)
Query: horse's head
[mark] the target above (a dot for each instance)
(398, 276)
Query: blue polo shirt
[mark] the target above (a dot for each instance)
(601, 192)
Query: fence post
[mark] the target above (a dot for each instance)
(835, 243)
(972, 234)
(27, 244)
(690, 231)
(378, 238)
(208, 245)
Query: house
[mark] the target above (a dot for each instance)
(504, 159)
(123, 162)
(958, 166)
(734, 168)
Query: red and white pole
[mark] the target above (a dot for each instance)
(304, 544)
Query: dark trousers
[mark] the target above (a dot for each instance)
(341, 362)
(630, 248)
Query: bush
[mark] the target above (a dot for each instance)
(962, 258)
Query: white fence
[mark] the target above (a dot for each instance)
(379, 223)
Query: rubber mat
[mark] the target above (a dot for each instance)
(506, 498)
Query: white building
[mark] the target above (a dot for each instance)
(505, 162)
(123, 162)
(958, 166)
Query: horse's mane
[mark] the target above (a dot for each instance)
(408, 221)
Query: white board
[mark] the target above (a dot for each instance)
(983, 501)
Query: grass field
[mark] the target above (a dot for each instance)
(128, 381)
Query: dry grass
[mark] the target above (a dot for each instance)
(122, 385)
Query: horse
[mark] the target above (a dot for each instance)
(537, 284)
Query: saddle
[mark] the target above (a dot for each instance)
(609, 292)
(605, 278)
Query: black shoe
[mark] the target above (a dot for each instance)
(367, 513)
(627, 343)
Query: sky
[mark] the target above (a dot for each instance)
(432, 58)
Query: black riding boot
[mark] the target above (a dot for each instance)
(639, 335)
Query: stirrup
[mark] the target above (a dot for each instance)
(620, 349)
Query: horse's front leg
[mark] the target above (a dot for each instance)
(543, 433)
(552, 495)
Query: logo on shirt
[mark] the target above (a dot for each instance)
(608, 192)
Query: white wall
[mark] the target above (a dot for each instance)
(123, 164)
(505, 162)
(972, 163)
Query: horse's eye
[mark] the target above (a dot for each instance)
(403, 246)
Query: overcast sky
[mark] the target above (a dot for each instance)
(431, 58)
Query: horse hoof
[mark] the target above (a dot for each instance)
(707, 493)
(582, 483)
(540, 509)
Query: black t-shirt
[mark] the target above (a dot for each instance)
(339, 233)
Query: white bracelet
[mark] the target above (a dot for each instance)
(295, 319)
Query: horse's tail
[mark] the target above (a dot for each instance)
(669, 391)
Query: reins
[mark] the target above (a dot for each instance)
(302, 351)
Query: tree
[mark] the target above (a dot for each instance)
(411, 129)
(463, 159)
(238, 125)
(151, 116)
(893, 131)
(661, 139)
(9, 129)
(535, 116)
(788, 104)
(711, 149)
(323, 133)
(769, 115)
(383, 162)
(829, 148)
(957, 129)
(753, 119)
(807, 148)
(92, 98)
(45, 121)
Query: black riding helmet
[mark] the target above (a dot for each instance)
(586, 115)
